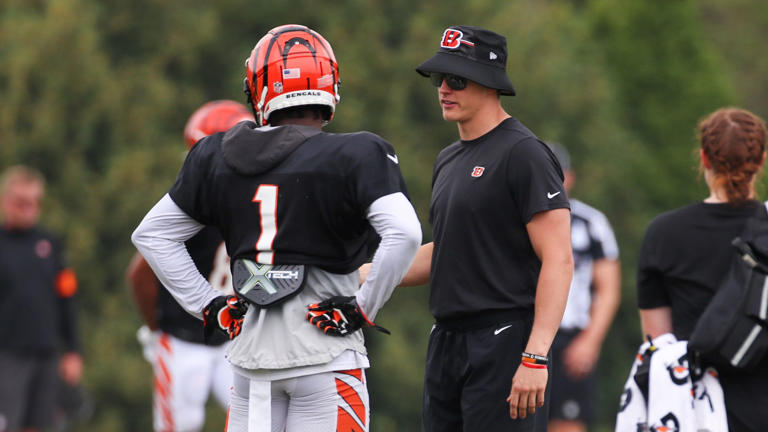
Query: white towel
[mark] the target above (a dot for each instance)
(675, 403)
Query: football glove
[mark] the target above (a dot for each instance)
(224, 313)
(339, 316)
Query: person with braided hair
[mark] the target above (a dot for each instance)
(686, 252)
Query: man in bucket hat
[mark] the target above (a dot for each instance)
(501, 251)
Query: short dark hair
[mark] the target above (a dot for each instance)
(317, 112)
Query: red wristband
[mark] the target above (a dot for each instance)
(534, 366)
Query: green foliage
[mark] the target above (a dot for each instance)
(95, 94)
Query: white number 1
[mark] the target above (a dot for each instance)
(266, 196)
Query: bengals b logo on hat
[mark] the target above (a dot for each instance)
(474, 53)
(452, 39)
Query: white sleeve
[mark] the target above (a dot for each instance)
(602, 232)
(395, 220)
(160, 239)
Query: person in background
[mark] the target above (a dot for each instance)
(687, 252)
(500, 264)
(39, 342)
(592, 303)
(186, 369)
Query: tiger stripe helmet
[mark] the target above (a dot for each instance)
(212, 117)
(292, 65)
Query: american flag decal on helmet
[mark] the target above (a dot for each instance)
(291, 73)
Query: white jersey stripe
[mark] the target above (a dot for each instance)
(592, 239)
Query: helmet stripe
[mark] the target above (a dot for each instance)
(291, 43)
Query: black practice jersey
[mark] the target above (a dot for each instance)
(207, 251)
(37, 310)
(484, 192)
(290, 194)
(685, 255)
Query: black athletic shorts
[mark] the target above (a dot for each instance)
(572, 399)
(469, 375)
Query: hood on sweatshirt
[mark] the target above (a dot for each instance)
(250, 150)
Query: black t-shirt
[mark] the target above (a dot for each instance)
(685, 255)
(308, 206)
(484, 192)
(171, 317)
(36, 315)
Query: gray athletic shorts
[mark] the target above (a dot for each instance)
(28, 388)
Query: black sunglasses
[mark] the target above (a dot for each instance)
(455, 82)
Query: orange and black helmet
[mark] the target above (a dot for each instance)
(290, 66)
(212, 117)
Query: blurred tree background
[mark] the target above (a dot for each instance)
(95, 94)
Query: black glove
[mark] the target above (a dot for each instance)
(339, 316)
(226, 314)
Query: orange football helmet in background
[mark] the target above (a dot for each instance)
(212, 117)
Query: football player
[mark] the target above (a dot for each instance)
(186, 369)
(299, 210)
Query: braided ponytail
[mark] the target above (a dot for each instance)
(733, 141)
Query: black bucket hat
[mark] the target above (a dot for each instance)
(474, 53)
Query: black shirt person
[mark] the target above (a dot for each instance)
(501, 252)
(686, 252)
(37, 292)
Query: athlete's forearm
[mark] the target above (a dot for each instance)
(607, 294)
(160, 239)
(144, 287)
(418, 273)
(395, 220)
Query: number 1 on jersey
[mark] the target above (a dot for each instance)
(266, 196)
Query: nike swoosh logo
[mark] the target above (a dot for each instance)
(393, 158)
(552, 195)
(499, 330)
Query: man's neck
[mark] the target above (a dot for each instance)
(303, 121)
(482, 122)
(16, 227)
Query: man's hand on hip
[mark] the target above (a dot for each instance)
(339, 316)
(224, 313)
